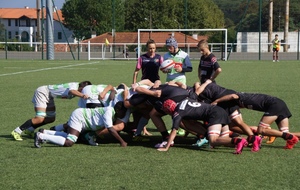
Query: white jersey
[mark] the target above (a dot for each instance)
(91, 119)
(93, 92)
(62, 90)
(180, 58)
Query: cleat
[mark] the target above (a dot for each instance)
(163, 144)
(91, 139)
(41, 130)
(239, 146)
(290, 143)
(140, 138)
(16, 136)
(52, 128)
(29, 133)
(256, 144)
(37, 140)
(181, 132)
(271, 140)
(200, 142)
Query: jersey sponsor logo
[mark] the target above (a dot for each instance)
(183, 105)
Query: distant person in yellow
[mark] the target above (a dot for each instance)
(276, 48)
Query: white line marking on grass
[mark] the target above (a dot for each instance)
(44, 69)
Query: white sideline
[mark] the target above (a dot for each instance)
(44, 69)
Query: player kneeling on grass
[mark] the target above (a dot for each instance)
(97, 119)
(216, 118)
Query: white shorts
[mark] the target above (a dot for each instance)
(76, 120)
(42, 98)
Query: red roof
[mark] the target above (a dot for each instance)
(132, 37)
(16, 13)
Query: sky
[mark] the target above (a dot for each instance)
(28, 3)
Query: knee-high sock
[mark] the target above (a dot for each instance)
(55, 139)
(26, 125)
(59, 127)
(57, 133)
(142, 122)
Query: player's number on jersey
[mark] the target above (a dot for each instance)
(194, 104)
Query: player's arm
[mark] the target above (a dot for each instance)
(108, 88)
(141, 90)
(171, 138)
(175, 127)
(225, 98)
(79, 94)
(199, 73)
(135, 75)
(200, 88)
(114, 133)
(137, 69)
(143, 82)
(178, 84)
(188, 65)
(216, 73)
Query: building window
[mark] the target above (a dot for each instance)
(16, 22)
(17, 35)
(59, 35)
(9, 22)
(9, 34)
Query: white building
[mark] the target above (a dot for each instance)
(249, 41)
(22, 24)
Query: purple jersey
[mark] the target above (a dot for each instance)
(150, 66)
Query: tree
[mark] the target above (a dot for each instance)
(235, 9)
(86, 16)
(171, 14)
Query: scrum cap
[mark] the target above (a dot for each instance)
(172, 42)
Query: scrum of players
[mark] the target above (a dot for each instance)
(208, 111)
(205, 110)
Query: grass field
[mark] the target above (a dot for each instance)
(140, 166)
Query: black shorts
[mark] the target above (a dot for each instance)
(278, 107)
(94, 105)
(137, 99)
(229, 106)
(275, 50)
(217, 115)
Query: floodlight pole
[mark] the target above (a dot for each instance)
(5, 43)
(298, 45)
(49, 30)
(259, 46)
(42, 28)
(113, 28)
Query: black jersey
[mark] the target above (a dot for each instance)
(265, 103)
(213, 91)
(255, 101)
(190, 109)
(172, 92)
(207, 66)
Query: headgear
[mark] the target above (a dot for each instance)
(172, 42)
(169, 105)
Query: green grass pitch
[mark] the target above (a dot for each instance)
(140, 165)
